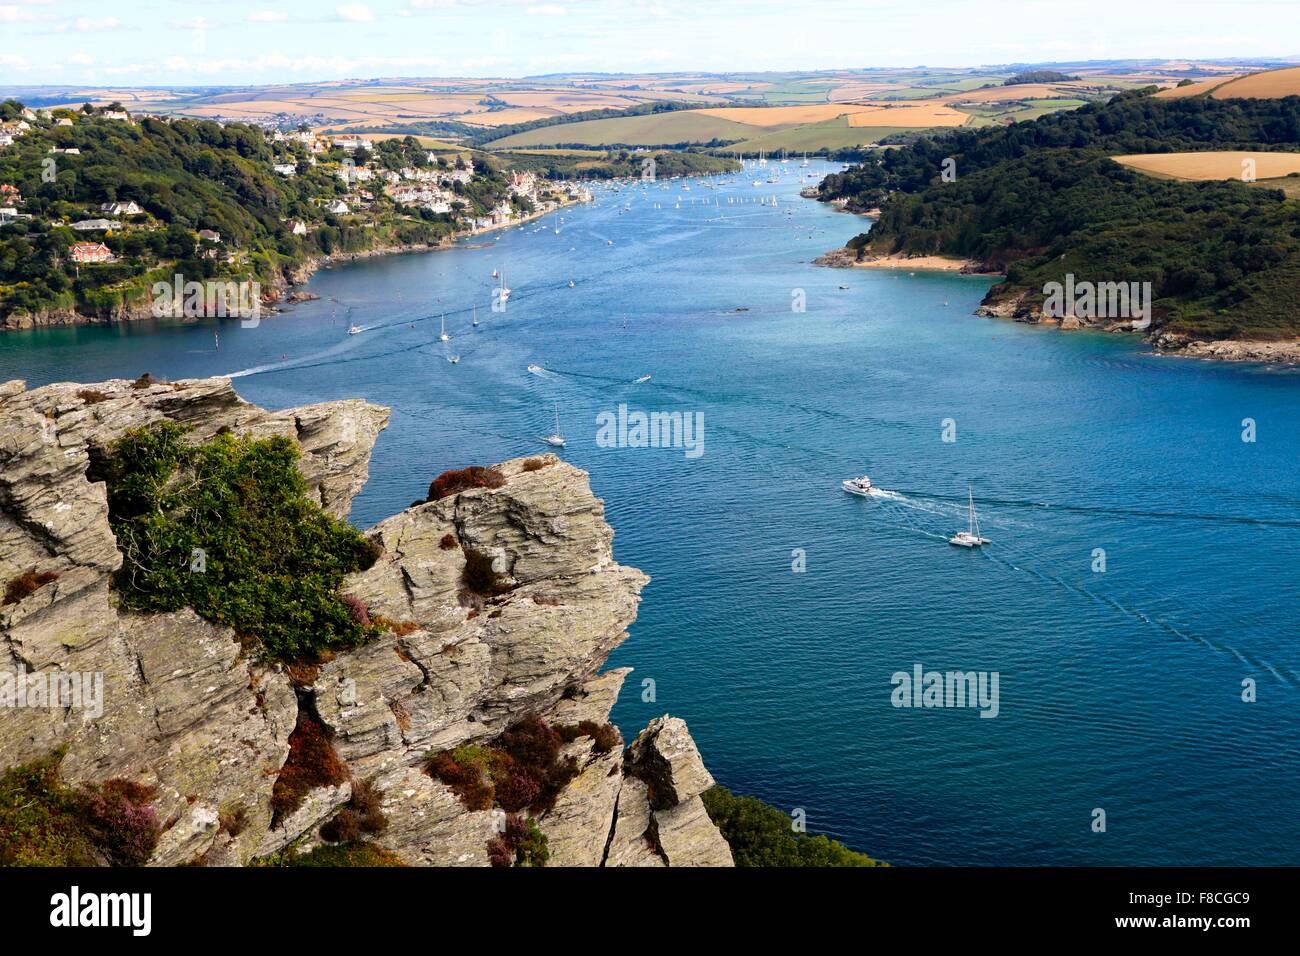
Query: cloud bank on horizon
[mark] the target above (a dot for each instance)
(247, 42)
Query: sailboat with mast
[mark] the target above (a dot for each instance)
(556, 440)
(444, 337)
(970, 538)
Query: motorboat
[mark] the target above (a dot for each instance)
(857, 486)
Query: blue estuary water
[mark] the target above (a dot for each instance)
(1119, 690)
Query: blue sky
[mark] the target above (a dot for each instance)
(242, 42)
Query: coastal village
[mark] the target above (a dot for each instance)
(351, 184)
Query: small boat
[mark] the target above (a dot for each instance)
(556, 440)
(536, 369)
(643, 378)
(444, 337)
(504, 293)
(354, 329)
(475, 321)
(571, 286)
(970, 538)
(857, 486)
(843, 287)
(453, 359)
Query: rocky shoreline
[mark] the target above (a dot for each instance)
(203, 726)
(1019, 307)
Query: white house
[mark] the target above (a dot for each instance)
(286, 169)
(121, 209)
(338, 207)
(297, 227)
(352, 143)
(96, 225)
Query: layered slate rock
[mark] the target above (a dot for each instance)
(190, 711)
(665, 760)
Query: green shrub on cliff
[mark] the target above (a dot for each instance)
(761, 835)
(227, 528)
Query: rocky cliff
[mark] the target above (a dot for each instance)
(191, 713)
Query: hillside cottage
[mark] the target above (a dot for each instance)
(90, 252)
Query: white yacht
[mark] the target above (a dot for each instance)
(857, 486)
(504, 294)
(556, 440)
(453, 359)
(970, 538)
(444, 337)
(475, 322)
(353, 329)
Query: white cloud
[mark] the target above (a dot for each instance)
(268, 16)
(355, 13)
(10, 13)
(195, 23)
(89, 25)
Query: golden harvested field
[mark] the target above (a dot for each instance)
(1194, 89)
(1224, 164)
(503, 117)
(1268, 85)
(1265, 85)
(914, 115)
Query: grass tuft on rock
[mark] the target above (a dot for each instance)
(333, 854)
(227, 528)
(27, 584)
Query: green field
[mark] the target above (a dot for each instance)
(655, 129)
(816, 137)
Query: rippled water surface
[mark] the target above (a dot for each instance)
(1118, 690)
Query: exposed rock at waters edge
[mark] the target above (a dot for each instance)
(187, 711)
(1003, 302)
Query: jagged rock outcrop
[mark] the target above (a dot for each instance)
(665, 759)
(188, 710)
